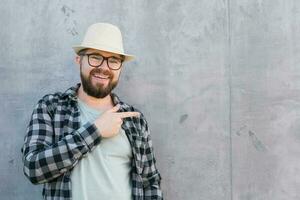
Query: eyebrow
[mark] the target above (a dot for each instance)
(95, 53)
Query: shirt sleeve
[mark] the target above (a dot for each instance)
(44, 159)
(150, 175)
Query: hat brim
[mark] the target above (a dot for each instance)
(78, 48)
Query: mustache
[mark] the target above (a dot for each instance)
(102, 71)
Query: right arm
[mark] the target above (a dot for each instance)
(44, 160)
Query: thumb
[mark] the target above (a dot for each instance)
(114, 109)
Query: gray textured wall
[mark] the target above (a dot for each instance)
(218, 80)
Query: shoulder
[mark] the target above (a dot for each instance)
(52, 102)
(51, 99)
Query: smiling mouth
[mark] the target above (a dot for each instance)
(100, 76)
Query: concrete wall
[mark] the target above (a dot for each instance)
(218, 81)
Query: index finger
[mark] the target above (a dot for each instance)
(128, 114)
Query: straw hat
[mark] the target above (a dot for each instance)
(105, 37)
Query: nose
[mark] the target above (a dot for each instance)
(104, 64)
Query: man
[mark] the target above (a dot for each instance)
(85, 143)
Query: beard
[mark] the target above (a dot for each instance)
(98, 90)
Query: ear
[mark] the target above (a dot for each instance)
(77, 59)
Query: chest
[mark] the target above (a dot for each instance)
(67, 119)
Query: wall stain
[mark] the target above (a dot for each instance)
(170, 160)
(11, 161)
(239, 132)
(69, 22)
(67, 10)
(258, 145)
(183, 118)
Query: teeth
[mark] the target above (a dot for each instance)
(100, 76)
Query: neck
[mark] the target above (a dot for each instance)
(97, 103)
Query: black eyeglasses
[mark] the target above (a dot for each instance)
(96, 60)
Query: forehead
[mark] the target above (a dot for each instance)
(103, 53)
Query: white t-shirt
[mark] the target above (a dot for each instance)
(104, 173)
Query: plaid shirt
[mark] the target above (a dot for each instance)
(55, 142)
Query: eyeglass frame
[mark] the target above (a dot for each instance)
(104, 58)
